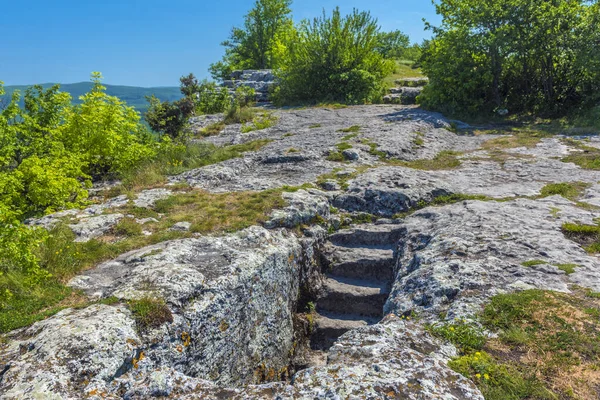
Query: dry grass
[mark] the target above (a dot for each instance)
(445, 160)
(520, 139)
(218, 212)
(553, 336)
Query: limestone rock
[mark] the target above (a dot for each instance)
(304, 208)
(394, 359)
(182, 226)
(453, 258)
(92, 227)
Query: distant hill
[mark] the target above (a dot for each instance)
(133, 95)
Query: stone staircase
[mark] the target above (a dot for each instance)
(406, 91)
(358, 266)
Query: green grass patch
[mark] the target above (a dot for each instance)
(533, 263)
(341, 179)
(567, 268)
(499, 381)
(212, 129)
(260, 122)
(586, 235)
(515, 140)
(352, 129)
(586, 158)
(465, 336)
(338, 155)
(547, 345)
(443, 161)
(178, 160)
(150, 312)
(571, 190)
(239, 115)
(127, 227)
(350, 137)
(220, 212)
(403, 69)
(314, 126)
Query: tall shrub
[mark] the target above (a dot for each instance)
(522, 55)
(334, 58)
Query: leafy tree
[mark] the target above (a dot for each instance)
(189, 85)
(523, 55)
(106, 133)
(334, 59)
(168, 118)
(258, 44)
(393, 44)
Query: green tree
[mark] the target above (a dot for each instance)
(106, 133)
(257, 45)
(168, 118)
(523, 55)
(393, 44)
(334, 59)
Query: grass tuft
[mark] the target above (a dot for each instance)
(571, 190)
(260, 122)
(533, 263)
(150, 312)
(352, 129)
(443, 161)
(586, 235)
(127, 227)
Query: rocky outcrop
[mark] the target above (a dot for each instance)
(453, 258)
(235, 332)
(406, 91)
(97, 220)
(262, 81)
(232, 300)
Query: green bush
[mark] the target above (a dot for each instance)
(170, 119)
(333, 59)
(519, 56)
(212, 99)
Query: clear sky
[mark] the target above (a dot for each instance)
(148, 42)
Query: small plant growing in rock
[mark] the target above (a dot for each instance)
(353, 128)
(586, 235)
(150, 312)
(533, 263)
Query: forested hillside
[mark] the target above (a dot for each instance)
(134, 96)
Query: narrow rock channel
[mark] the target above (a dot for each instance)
(358, 267)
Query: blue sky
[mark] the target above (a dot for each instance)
(148, 42)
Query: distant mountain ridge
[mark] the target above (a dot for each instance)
(133, 95)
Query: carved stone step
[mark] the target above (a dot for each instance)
(359, 262)
(368, 235)
(353, 296)
(329, 327)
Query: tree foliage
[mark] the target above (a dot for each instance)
(258, 44)
(521, 55)
(52, 150)
(393, 44)
(334, 59)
